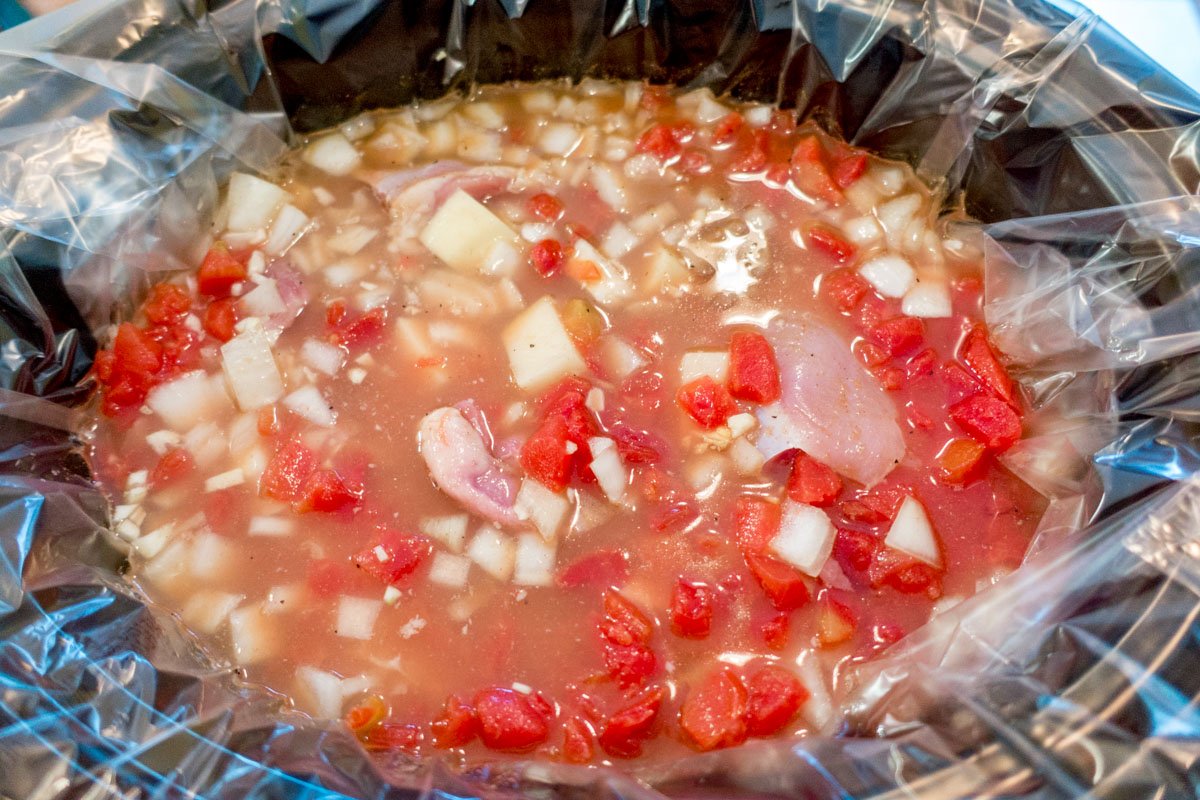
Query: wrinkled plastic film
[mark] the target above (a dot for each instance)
(1065, 678)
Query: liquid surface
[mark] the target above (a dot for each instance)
(597, 423)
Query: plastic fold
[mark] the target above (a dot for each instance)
(1074, 676)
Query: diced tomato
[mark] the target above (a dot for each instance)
(220, 317)
(286, 472)
(728, 127)
(977, 353)
(365, 715)
(601, 569)
(898, 336)
(637, 447)
(755, 522)
(335, 313)
(958, 459)
(577, 745)
(989, 420)
(891, 378)
(404, 737)
(809, 172)
(403, 553)
(324, 490)
(846, 288)
(544, 455)
(456, 725)
(691, 609)
(268, 421)
(752, 154)
(625, 730)
(871, 311)
(219, 271)
(167, 304)
(546, 207)
(714, 713)
(812, 482)
(753, 372)
(665, 142)
(173, 465)
(103, 364)
(848, 170)
(363, 330)
(774, 631)
(706, 402)
(878, 505)
(625, 635)
(923, 363)
(326, 577)
(904, 574)
(774, 697)
(835, 624)
(508, 721)
(829, 243)
(624, 622)
(783, 585)
(135, 352)
(547, 257)
(854, 549)
(644, 388)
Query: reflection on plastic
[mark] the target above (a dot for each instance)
(1073, 676)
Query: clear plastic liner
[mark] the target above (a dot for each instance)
(1074, 676)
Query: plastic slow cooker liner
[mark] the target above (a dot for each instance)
(1073, 676)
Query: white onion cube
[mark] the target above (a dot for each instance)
(450, 530)
(805, 538)
(493, 551)
(449, 570)
(912, 533)
(206, 610)
(534, 561)
(187, 400)
(928, 299)
(544, 508)
(250, 370)
(891, 275)
(356, 617)
(334, 154)
(309, 403)
(698, 363)
(252, 635)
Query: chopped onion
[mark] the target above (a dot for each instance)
(449, 570)
(187, 400)
(698, 363)
(741, 424)
(862, 230)
(282, 598)
(818, 709)
(540, 351)
(250, 370)
(665, 271)
(207, 609)
(746, 458)
(251, 202)
(485, 114)
(608, 185)
(211, 556)
(757, 116)
(534, 561)
(356, 617)
(225, 480)
(290, 224)
(559, 139)
(334, 154)
(263, 300)
(544, 508)
(352, 239)
(252, 635)
(264, 525)
(319, 692)
(206, 443)
(344, 273)
(912, 533)
(618, 240)
(308, 402)
(805, 538)
(654, 220)
(502, 260)
(595, 399)
(540, 101)
(891, 275)
(705, 473)
(414, 338)
(254, 463)
(450, 530)
(452, 293)
(322, 356)
(152, 543)
(619, 357)
(493, 551)
(606, 465)
(243, 433)
(534, 232)
(928, 299)
(889, 179)
(590, 511)
(162, 441)
(412, 627)
(475, 144)
(895, 216)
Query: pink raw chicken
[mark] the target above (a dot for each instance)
(831, 408)
(461, 463)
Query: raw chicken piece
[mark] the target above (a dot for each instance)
(831, 408)
(290, 285)
(463, 467)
